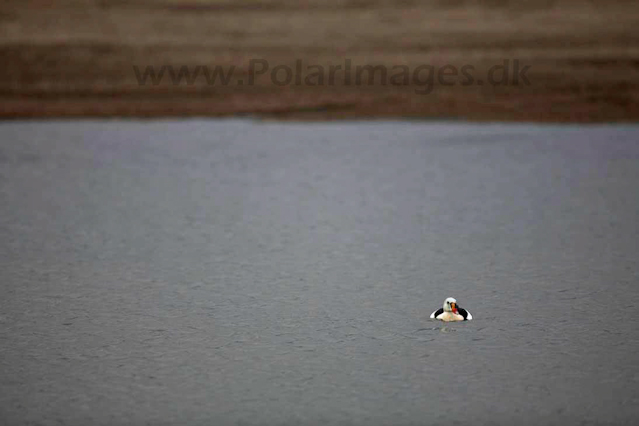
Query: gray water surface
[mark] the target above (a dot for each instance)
(236, 272)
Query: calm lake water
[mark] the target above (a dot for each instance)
(251, 273)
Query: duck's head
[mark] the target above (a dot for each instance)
(450, 305)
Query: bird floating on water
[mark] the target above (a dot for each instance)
(451, 311)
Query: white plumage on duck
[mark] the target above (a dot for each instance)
(451, 311)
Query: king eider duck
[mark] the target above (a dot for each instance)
(451, 311)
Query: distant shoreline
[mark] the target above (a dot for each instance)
(321, 60)
(308, 108)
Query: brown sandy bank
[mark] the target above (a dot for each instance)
(478, 60)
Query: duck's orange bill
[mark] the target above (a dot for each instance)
(454, 306)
